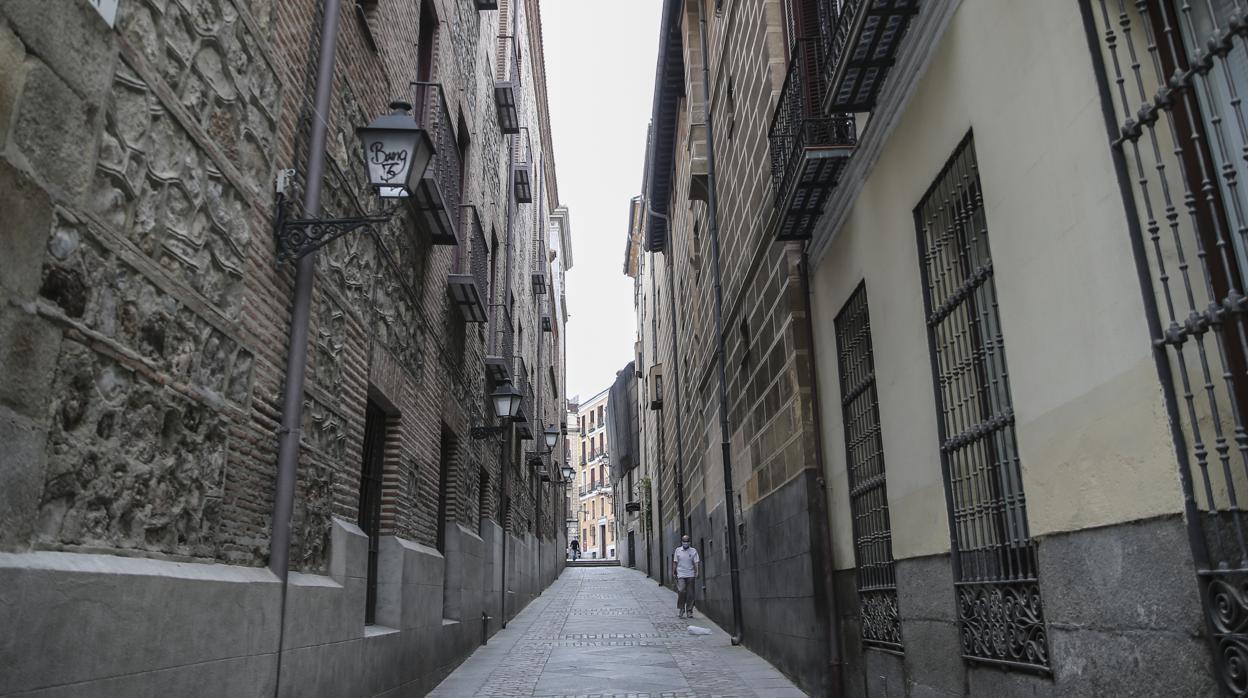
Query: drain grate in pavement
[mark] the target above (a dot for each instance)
(605, 643)
(624, 695)
(608, 636)
(607, 612)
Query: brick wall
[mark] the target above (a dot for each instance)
(145, 313)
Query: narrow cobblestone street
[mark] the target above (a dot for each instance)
(606, 632)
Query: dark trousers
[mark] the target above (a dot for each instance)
(685, 593)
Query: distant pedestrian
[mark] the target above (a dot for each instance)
(686, 565)
(576, 550)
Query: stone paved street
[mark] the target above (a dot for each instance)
(607, 632)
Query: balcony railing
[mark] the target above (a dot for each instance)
(436, 198)
(507, 73)
(468, 282)
(540, 461)
(526, 420)
(808, 149)
(593, 488)
(498, 362)
(860, 45)
(539, 271)
(522, 167)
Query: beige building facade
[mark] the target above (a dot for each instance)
(593, 499)
(1007, 239)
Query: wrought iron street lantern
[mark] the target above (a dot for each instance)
(396, 153)
(568, 473)
(506, 401)
(552, 436)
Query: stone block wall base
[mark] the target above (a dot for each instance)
(103, 625)
(1121, 610)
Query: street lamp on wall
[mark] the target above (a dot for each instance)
(396, 153)
(396, 150)
(506, 401)
(552, 436)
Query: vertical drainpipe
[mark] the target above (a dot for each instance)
(658, 484)
(297, 354)
(510, 431)
(725, 445)
(818, 508)
(537, 406)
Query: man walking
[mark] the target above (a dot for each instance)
(576, 550)
(686, 564)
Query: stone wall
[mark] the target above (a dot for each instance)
(144, 320)
(767, 349)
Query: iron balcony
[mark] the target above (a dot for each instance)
(498, 360)
(808, 148)
(507, 81)
(436, 198)
(522, 167)
(860, 46)
(525, 421)
(468, 283)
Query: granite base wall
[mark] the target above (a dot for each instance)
(781, 614)
(1123, 618)
(103, 625)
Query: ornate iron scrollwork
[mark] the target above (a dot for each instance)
(1003, 622)
(1227, 606)
(297, 237)
(881, 625)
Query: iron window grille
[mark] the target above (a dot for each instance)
(1170, 72)
(994, 558)
(864, 460)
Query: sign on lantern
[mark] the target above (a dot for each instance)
(107, 9)
(396, 151)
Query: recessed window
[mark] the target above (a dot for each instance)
(372, 467)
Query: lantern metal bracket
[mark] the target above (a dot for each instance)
(297, 237)
(485, 432)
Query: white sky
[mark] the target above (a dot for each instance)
(600, 57)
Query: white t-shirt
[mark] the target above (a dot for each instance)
(685, 559)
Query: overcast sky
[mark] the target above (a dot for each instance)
(600, 58)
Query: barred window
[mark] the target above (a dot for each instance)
(864, 460)
(994, 557)
(1172, 74)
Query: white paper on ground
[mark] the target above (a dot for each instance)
(695, 630)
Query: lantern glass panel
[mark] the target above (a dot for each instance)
(390, 155)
